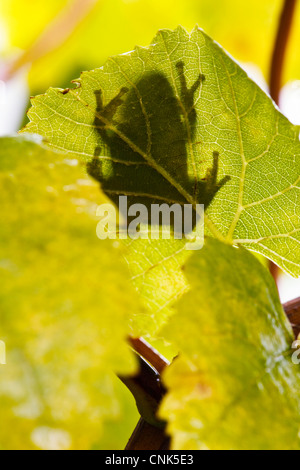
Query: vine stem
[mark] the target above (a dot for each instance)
(145, 350)
(146, 436)
(292, 310)
(280, 48)
(277, 67)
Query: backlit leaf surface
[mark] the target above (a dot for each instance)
(234, 385)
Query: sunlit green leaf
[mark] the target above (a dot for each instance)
(65, 305)
(155, 266)
(180, 122)
(234, 385)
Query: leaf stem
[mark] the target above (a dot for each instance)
(276, 70)
(147, 436)
(145, 350)
(292, 310)
(280, 48)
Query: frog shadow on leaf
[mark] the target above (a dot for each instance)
(148, 119)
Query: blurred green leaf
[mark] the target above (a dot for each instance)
(66, 305)
(245, 29)
(234, 386)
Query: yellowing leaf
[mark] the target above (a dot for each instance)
(65, 304)
(234, 385)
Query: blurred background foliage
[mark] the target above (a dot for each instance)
(245, 29)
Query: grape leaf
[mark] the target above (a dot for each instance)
(65, 304)
(155, 267)
(181, 122)
(234, 385)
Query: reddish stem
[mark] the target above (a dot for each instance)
(280, 48)
(276, 69)
(145, 350)
(292, 309)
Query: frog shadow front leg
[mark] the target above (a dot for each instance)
(209, 186)
(104, 116)
(205, 189)
(104, 119)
